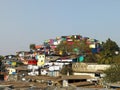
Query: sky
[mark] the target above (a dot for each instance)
(25, 22)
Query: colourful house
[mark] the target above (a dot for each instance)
(41, 60)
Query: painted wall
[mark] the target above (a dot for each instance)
(90, 74)
(41, 60)
(78, 67)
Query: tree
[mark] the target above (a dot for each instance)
(108, 51)
(112, 73)
(91, 58)
(77, 47)
(1, 57)
(2, 66)
(67, 69)
(63, 47)
(81, 46)
(110, 47)
(32, 46)
(117, 59)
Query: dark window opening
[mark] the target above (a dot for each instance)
(97, 74)
(76, 80)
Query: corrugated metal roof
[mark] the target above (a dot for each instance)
(21, 68)
(38, 46)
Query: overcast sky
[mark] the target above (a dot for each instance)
(23, 22)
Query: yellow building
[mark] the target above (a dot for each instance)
(41, 60)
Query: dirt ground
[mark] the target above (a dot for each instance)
(38, 82)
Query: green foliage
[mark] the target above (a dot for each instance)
(117, 59)
(0, 62)
(112, 73)
(106, 60)
(32, 46)
(66, 69)
(108, 52)
(110, 47)
(91, 58)
(19, 64)
(2, 66)
(1, 57)
(77, 47)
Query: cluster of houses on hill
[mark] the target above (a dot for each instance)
(40, 65)
(49, 46)
(36, 63)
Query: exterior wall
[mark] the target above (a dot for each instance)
(33, 70)
(65, 83)
(78, 67)
(12, 71)
(12, 78)
(97, 67)
(41, 60)
(32, 62)
(53, 73)
(44, 72)
(83, 67)
(90, 74)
